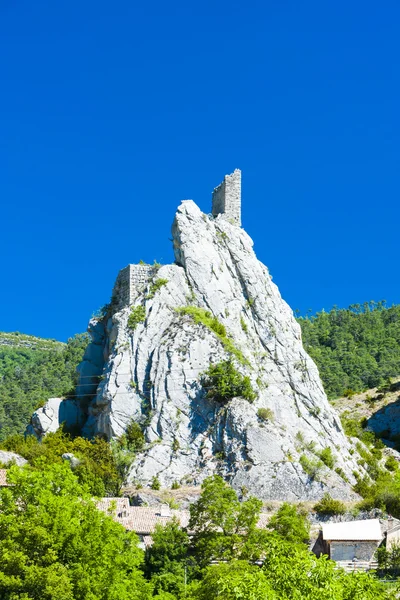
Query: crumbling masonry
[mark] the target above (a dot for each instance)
(226, 201)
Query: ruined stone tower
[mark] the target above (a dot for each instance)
(226, 198)
(133, 279)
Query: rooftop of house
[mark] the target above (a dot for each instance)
(143, 519)
(354, 531)
(3, 478)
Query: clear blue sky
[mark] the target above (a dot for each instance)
(112, 112)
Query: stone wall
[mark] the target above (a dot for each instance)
(346, 551)
(226, 198)
(131, 280)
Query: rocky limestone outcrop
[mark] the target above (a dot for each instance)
(152, 375)
(9, 458)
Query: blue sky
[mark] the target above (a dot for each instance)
(111, 113)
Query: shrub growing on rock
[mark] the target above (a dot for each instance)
(265, 414)
(138, 315)
(328, 506)
(224, 382)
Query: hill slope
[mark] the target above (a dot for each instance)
(31, 370)
(355, 348)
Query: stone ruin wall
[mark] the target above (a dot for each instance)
(226, 198)
(131, 280)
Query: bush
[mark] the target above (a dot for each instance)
(223, 382)
(328, 506)
(138, 315)
(155, 483)
(310, 466)
(391, 464)
(265, 414)
(175, 485)
(134, 437)
(327, 457)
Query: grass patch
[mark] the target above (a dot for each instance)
(200, 315)
(155, 286)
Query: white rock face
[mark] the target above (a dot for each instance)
(52, 415)
(153, 375)
(7, 458)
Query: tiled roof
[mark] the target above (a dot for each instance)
(354, 531)
(3, 478)
(143, 520)
(115, 507)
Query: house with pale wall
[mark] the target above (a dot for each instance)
(143, 519)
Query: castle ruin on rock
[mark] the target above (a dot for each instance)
(226, 201)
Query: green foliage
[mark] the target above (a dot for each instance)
(166, 558)
(355, 348)
(55, 544)
(155, 286)
(134, 437)
(175, 445)
(223, 527)
(311, 466)
(155, 483)
(291, 523)
(328, 506)
(234, 581)
(175, 485)
(391, 464)
(31, 371)
(265, 414)
(327, 457)
(243, 325)
(137, 315)
(223, 382)
(200, 315)
(98, 468)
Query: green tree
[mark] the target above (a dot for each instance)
(223, 527)
(234, 581)
(166, 559)
(55, 544)
(291, 524)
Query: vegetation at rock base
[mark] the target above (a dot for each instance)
(328, 506)
(31, 371)
(99, 469)
(355, 348)
(224, 382)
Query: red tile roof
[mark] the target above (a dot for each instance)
(3, 478)
(143, 520)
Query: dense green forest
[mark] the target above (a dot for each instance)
(354, 348)
(31, 371)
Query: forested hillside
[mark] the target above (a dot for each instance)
(31, 371)
(355, 348)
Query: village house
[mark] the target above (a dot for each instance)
(143, 519)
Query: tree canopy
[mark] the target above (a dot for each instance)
(354, 348)
(31, 371)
